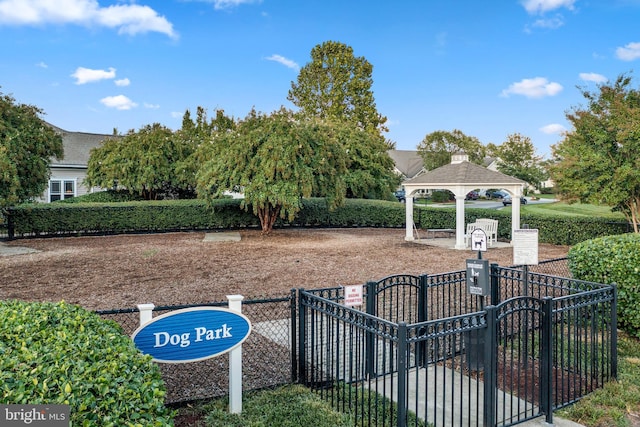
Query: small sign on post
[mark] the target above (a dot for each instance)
(525, 246)
(478, 277)
(479, 240)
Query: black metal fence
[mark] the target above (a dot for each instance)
(424, 350)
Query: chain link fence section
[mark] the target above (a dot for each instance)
(553, 267)
(266, 354)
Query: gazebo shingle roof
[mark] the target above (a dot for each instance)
(465, 173)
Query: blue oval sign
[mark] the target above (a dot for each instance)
(192, 334)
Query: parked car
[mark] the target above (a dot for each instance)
(472, 195)
(507, 200)
(497, 194)
(400, 195)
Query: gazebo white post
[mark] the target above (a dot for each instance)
(460, 229)
(408, 202)
(515, 213)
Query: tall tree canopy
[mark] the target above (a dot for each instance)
(337, 86)
(597, 161)
(517, 157)
(437, 148)
(277, 160)
(198, 137)
(141, 162)
(27, 145)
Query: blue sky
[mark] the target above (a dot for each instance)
(488, 68)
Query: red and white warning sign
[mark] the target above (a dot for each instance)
(353, 295)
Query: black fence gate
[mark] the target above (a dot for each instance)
(423, 351)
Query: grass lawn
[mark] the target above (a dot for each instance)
(575, 209)
(617, 404)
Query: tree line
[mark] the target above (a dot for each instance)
(333, 146)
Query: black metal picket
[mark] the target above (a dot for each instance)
(426, 350)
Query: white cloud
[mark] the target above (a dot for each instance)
(228, 4)
(534, 7)
(284, 61)
(177, 114)
(553, 128)
(151, 106)
(127, 18)
(123, 82)
(537, 87)
(119, 102)
(42, 65)
(87, 75)
(630, 52)
(551, 23)
(593, 77)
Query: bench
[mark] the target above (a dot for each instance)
(489, 226)
(433, 231)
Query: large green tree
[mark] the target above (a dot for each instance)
(517, 157)
(597, 161)
(142, 162)
(198, 137)
(276, 160)
(27, 145)
(437, 148)
(337, 85)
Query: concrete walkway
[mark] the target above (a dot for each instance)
(6, 250)
(222, 236)
(446, 408)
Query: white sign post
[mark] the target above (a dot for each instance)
(195, 334)
(235, 363)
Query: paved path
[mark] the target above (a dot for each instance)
(6, 250)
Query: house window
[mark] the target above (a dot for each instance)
(60, 190)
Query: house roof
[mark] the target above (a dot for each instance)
(77, 146)
(408, 162)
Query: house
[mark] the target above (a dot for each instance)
(68, 174)
(408, 163)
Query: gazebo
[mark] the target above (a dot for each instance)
(460, 177)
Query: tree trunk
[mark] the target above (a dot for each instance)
(268, 216)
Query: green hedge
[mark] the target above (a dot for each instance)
(173, 215)
(553, 229)
(63, 354)
(613, 259)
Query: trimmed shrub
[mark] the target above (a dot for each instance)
(62, 354)
(613, 259)
(61, 219)
(108, 196)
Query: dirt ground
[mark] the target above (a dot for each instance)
(108, 272)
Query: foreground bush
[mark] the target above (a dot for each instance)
(63, 354)
(613, 259)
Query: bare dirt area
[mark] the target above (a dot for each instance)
(108, 272)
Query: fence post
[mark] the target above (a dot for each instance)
(11, 223)
(402, 375)
(423, 306)
(302, 338)
(546, 404)
(495, 284)
(292, 333)
(146, 313)
(490, 367)
(614, 332)
(370, 340)
(235, 363)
